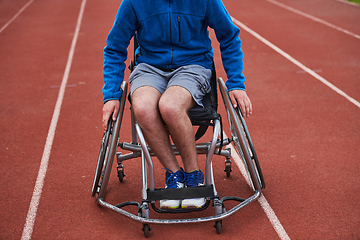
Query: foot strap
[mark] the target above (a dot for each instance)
(180, 193)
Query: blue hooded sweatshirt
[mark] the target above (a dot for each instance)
(171, 33)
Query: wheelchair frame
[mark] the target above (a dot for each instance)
(243, 145)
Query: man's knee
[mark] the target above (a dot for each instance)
(145, 105)
(170, 111)
(144, 112)
(174, 105)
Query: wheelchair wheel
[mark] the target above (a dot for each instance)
(242, 141)
(104, 149)
(109, 152)
(249, 147)
(228, 169)
(121, 174)
(146, 230)
(108, 149)
(218, 226)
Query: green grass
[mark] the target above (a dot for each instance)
(355, 1)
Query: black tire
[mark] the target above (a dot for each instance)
(108, 150)
(146, 230)
(104, 148)
(241, 138)
(251, 148)
(218, 227)
(121, 175)
(228, 170)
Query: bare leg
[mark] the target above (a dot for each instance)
(145, 104)
(174, 105)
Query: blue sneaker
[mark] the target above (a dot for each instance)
(173, 180)
(194, 179)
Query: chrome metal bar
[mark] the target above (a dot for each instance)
(210, 153)
(128, 156)
(201, 147)
(174, 221)
(133, 130)
(212, 179)
(137, 148)
(147, 157)
(224, 153)
(144, 176)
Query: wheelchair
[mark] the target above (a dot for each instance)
(203, 118)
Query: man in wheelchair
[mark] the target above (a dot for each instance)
(173, 67)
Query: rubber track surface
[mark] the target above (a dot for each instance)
(306, 135)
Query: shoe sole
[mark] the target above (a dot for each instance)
(166, 208)
(170, 207)
(194, 206)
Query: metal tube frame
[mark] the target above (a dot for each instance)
(147, 167)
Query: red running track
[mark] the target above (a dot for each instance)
(306, 134)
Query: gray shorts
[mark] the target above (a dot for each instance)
(194, 78)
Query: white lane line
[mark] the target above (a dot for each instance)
(297, 63)
(262, 200)
(273, 218)
(31, 215)
(16, 15)
(314, 18)
(349, 3)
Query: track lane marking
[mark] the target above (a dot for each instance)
(262, 200)
(314, 18)
(31, 215)
(30, 220)
(16, 15)
(297, 63)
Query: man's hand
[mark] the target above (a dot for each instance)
(243, 100)
(110, 107)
